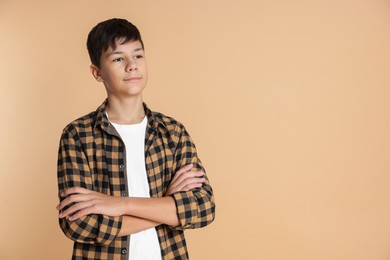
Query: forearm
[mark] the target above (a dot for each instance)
(196, 207)
(159, 210)
(86, 202)
(131, 225)
(92, 229)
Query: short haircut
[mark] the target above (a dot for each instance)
(106, 34)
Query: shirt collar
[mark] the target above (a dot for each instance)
(102, 120)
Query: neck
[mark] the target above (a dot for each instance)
(125, 111)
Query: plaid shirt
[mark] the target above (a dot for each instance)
(92, 155)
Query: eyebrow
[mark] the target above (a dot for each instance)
(121, 52)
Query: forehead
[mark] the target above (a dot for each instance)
(120, 44)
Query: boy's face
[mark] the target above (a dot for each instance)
(123, 70)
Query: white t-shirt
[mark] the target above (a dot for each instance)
(144, 245)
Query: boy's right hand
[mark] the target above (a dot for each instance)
(185, 180)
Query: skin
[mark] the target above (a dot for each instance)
(123, 71)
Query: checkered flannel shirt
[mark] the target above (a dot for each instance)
(92, 155)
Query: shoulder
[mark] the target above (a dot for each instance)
(81, 125)
(168, 123)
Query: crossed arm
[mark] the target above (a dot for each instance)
(137, 213)
(90, 217)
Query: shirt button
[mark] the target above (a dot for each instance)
(124, 251)
(123, 194)
(121, 166)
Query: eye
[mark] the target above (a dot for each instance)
(118, 59)
(139, 56)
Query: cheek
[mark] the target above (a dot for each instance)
(144, 69)
(110, 76)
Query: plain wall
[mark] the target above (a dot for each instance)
(287, 102)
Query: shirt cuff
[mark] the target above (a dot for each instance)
(109, 228)
(187, 209)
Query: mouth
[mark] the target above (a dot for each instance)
(133, 79)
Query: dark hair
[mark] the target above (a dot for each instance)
(106, 34)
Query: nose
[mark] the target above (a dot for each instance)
(131, 66)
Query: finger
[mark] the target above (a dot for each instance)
(186, 182)
(68, 201)
(195, 183)
(187, 175)
(180, 177)
(74, 190)
(186, 168)
(81, 213)
(182, 170)
(184, 176)
(192, 186)
(73, 199)
(76, 207)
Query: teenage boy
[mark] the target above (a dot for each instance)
(130, 180)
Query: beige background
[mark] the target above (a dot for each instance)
(287, 101)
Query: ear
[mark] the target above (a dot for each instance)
(96, 73)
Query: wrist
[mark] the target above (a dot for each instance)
(126, 207)
(123, 205)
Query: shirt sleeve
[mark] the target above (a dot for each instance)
(73, 171)
(195, 208)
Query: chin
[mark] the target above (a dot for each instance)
(134, 93)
